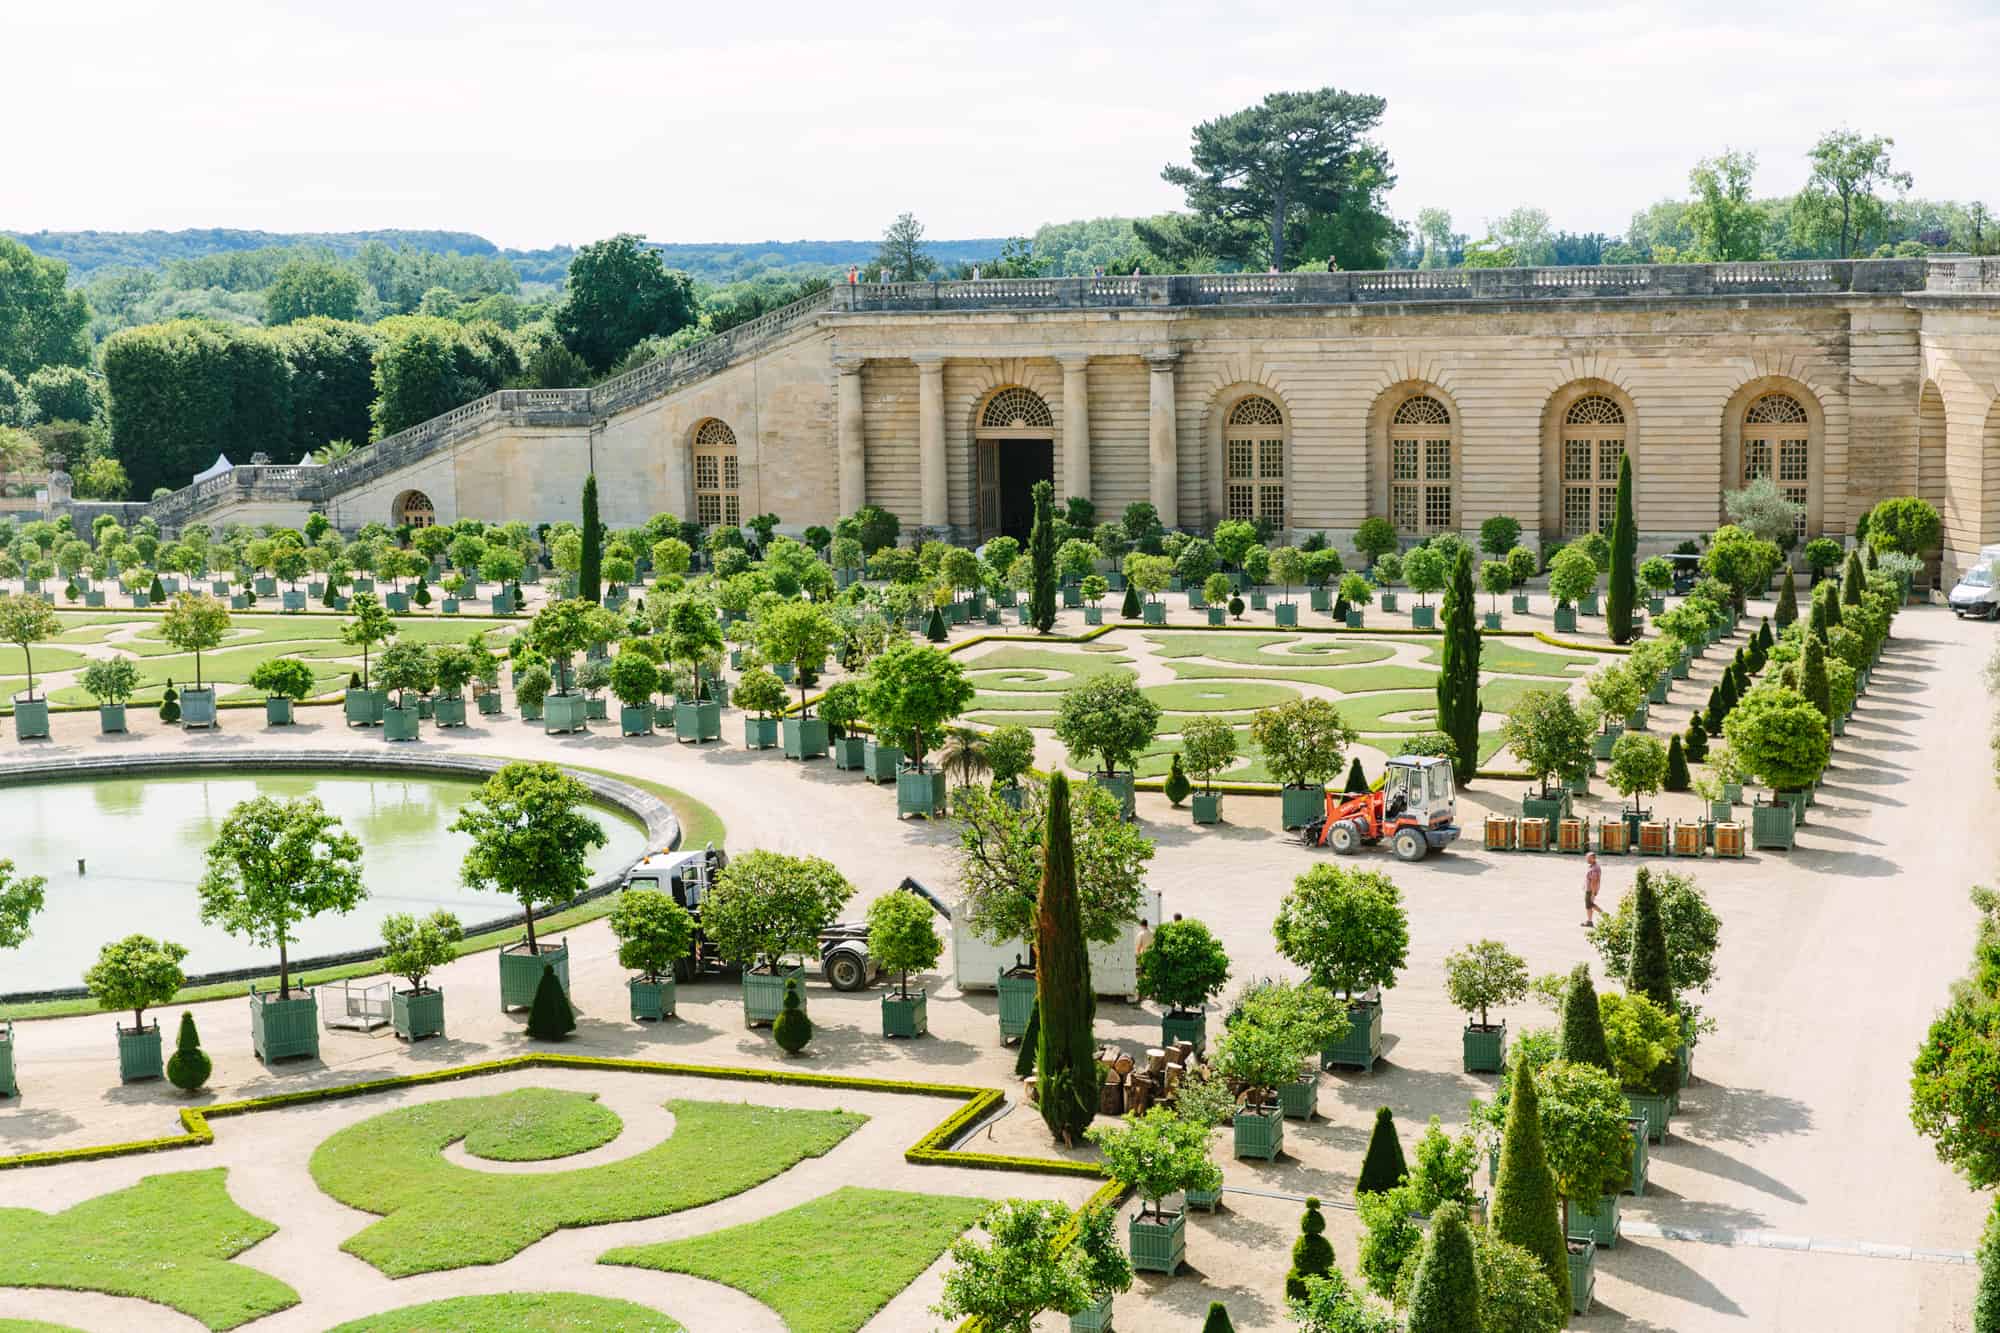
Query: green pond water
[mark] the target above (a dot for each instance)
(143, 844)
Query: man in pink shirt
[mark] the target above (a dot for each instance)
(1591, 877)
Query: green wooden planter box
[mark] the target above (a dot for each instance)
(920, 792)
(1681, 667)
(1260, 600)
(521, 971)
(1652, 1107)
(363, 708)
(1362, 1046)
(399, 724)
(1207, 807)
(764, 994)
(1484, 1047)
(1154, 613)
(699, 721)
(1636, 719)
(563, 713)
(1599, 1224)
(1218, 615)
(1299, 806)
(1320, 599)
(111, 719)
(653, 1001)
(1490, 620)
(1013, 796)
(95, 599)
(1123, 786)
(140, 601)
(1580, 784)
(1287, 614)
(1072, 596)
(397, 603)
(1355, 619)
(1732, 792)
(1202, 1199)
(1799, 801)
(1589, 604)
(1299, 1099)
(264, 587)
(8, 1087)
(905, 1015)
(31, 719)
(198, 707)
(503, 604)
(760, 733)
(278, 712)
(449, 606)
(1095, 1318)
(282, 1029)
(1601, 743)
(1772, 826)
(449, 712)
(1582, 1275)
(805, 737)
(1423, 617)
(1520, 604)
(635, 721)
(1017, 998)
(1657, 694)
(879, 762)
(1656, 606)
(1185, 1026)
(1636, 1182)
(489, 704)
(1092, 615)
(1388, 601)
(1159, 1242)
(1565, 620)
(850, 753)
(1260, 1133)
(139, 1053)
(417, 1014)
(596, 710)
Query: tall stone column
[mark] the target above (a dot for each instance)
(1076, 424)
(851, 445)
(930, 440)
(1163, 438)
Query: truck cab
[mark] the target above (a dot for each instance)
(685, 876)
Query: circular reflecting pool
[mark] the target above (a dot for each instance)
(142, 843)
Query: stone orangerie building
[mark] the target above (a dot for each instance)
(1437, 398)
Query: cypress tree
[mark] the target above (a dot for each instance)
(1444, 1298)
(1677, 765)
(1357, 780)
(1818, 620)
(1852, 581)
(1648, 975)
(1788, 601)
(1812, 676)
(1042, 559)
(1024, 1064)
(1697, 740)
(1583, 1023)
(550, 1018)
(792, 1029)
(1832, 599)
(189, 1066)
(1065, 1053)
(1458, 671)
(1623, 587)
(1312, 1252)
(1129, 608)
(1524, 1194)
(590, 575)
(1383, 1167)
(1218, 1319)
(1986, 1303)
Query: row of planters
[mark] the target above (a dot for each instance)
(193, 623)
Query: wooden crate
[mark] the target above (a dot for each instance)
(1690, 839)
(1571, 836)
(1653, 838)
(1729, 839)
(1500, 833)
(1612, 837)
(1533, 835)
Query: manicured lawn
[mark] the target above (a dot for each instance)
(34, 1326)
(46, 659)
(516, 1312)
(437, 1215)
(825, 1266)
(1505, 655)
(167, 1239)
(1348, 680)
(1269, 649)
(1218, 696)
(1027, 669)
(537, 1125)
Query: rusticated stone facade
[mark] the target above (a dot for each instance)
(1311, 400)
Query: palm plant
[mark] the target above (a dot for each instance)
(963, 755)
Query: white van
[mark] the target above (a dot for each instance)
(1977, 592)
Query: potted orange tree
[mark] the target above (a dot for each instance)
(412, 949)
(1183, 968)
(1154, 1155)
(136, 973)
(654, 933)
(1348, 929)
(1476, 978)
(903, 939)
(764, 909)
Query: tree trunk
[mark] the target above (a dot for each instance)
(528, 912)
(284, 973)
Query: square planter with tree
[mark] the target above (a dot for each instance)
(111, 681)
(412, 949)
(1303, 742)
(136, 973)
(1208, 745)
(1349, 930)
(913, 691)
(25, 620)
(654, 935)
(284, 681)
(1271, 1041)
(765, 907)
(1183, 968)
(902, 938)
(1476, 977)
(1155, 1155)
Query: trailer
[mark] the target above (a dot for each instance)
(1114, 967)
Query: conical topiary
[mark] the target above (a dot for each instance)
(1444, 1298)
(1357, 780)
(1383, 1167)
(1312, 1252)
(1218, 1319)
(1524, 1194)
(934, 628)
(792, 1029)
(1852, 581)
(1129, 608)
(550, 1018)
(1583, 1025)
(1764, 637)
(156, 591)
(1697, 740)
(1649, 976)
(354, 680)
(170, 704)
(1677, 765)
(1788, 600)
(189, 1066)
(1024, 1063)
(1177, 785)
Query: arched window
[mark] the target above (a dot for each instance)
(1593, 442)
(1422, 464)
(1777, 444)
(1253, 453)
(1017, 409)
(715, 475)
(415, 510)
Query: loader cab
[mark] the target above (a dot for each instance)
(1418, 788)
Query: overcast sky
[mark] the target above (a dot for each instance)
(537, 124)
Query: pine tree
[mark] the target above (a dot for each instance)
(1312, 1252)
(1382, 1168)
(1357, 780)
(1129, 608)
(1622, 589)
(550, 1018)
(1458, 671)
(1444, 1298)
(1812, 676)
(1031, 1036)
(189, 1066)
(1853, 582)
(1788, 601)
(1583, 1024)
(934, 629)
(1986, 1303)
(792, 1029)
(1218, 1319)
(1524, 1194)
(1648, 975)
(1066, 1086)
(1697, 740)
(1042, 559)
(590, 574)
(1177, 785)
(1678, 778)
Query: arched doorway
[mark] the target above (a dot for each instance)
(414, 510)
(1777, 444)
(1015, 441)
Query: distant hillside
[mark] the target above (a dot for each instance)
(86, 252)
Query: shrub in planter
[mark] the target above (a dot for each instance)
(531, 690)
(913, 690)
(136, 973)
(26, 620)
(1106, 1269)
(284, 681)
(1303, 742)
(1589, 1149)
(1638, 767)
(188, 1067)
(1024, 1270)
(903, 938)
(111, 681)
(791, 1029)
(1108, 717)
(1779, 736)
(1208, 745)
(1300, 1020)
(654, 934)
(532, 836)
(1641, 1040)
(1010, 753)
(766, 906)
(1477, 977)
(1692, 934)
(634, 679)
(1444, 1292)
(840, 708)
(1154, 1155)
(1183, 968)
(1177, 786)
(1549, 738)
(409, 669)
(275, 864)
(194, 623)
(412, 949)
(1349, 930)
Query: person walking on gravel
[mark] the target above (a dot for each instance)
(1591, 878)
